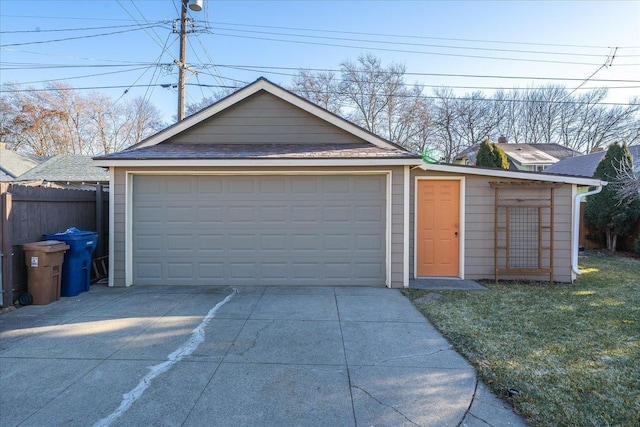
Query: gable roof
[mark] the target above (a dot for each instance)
(586, 165)
(13, 164)
(527, 154)
(67, 168)
(372, 148)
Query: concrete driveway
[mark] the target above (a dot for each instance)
(260, 356)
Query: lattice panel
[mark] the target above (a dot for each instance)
(523, 232)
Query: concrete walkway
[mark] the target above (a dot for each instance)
(264, 356)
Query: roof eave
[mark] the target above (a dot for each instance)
(532, 176)
(257, 162)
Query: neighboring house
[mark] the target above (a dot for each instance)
(266, 188)
(586, 165)
(523, 157)
(68, 171)
(13, 164)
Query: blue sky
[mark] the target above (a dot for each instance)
(514, 40)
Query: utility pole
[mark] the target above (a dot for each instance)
(183, 59)
(195, 5)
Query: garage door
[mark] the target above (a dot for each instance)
(259, 230)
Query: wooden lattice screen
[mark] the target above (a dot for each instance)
(523, 228)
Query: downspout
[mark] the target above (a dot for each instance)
(576, 226)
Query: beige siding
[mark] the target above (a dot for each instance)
(396, 214)
(264, 119)
(479, 228)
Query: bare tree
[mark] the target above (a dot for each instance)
(627, 183)
(373, 96)
(445, 118)
(207, 101)
(320, 88)
(61, 120)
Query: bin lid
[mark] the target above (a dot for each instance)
(46, 246)
(70, 234)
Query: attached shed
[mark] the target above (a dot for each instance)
(479, 223)
(266, 188)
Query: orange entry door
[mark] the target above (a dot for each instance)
(438, 228)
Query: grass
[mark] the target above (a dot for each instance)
(570, 354)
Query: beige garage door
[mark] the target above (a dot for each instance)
(259, 230)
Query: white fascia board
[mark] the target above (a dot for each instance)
(278, 92)
(256, 162)
(530, 176)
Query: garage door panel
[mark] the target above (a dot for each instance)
(209, 216)
(310, 230)
(211, 270)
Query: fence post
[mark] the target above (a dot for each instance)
(6, 245)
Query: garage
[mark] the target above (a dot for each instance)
(259, 229)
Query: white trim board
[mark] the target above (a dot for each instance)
(129, 175)
(461, 221)
(254, 162)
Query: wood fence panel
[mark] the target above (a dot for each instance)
(35, 211)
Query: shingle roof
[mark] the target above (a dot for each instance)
(586, 165)
(527, 154)
(13, 164)
(67, 168)
(261, 151)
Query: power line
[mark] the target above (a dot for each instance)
(388, 42)
(484, 76)
(77, 38)
(547, 61)
(418, 36)
(79, 29)
(84, 76)
(461, 98)
(157, 40)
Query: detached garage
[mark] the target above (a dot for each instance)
(261, 188)
(266, 188)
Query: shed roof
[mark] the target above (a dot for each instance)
(509, 174)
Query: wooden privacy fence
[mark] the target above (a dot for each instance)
(625, 243)
(27, 213)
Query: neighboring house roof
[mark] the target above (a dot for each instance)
(526, 154)
(67, 168)
(586, 165)
(13, 164)
(160, 149)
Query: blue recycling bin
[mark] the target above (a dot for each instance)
(76, 269)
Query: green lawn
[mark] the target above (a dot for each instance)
(572, 352)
